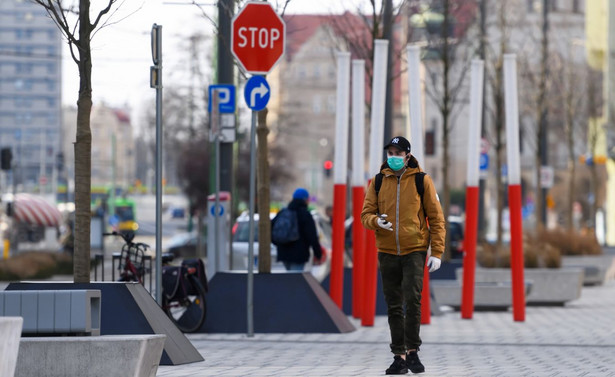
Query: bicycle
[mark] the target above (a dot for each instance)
(131, 264)
(183, 292)
(183, 287)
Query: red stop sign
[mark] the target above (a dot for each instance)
(258, 37)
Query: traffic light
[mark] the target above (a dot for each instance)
(6, 156)
(328, 165)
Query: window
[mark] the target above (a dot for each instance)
(316, 104)
(331, 103)
(301, 71)
(576, 6)
(430, 143)
(317, 71)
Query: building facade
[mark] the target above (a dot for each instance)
(30, 94)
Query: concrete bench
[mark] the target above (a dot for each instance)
(10, 328)
(51, 312)
(90, 356)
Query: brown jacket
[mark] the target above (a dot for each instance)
(399, 199)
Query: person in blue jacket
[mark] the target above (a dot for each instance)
(294, 255)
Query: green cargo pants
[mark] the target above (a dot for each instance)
(402, 283)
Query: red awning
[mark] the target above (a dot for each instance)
(35, 210)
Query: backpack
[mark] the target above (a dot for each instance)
(418, 181)
(285, 227)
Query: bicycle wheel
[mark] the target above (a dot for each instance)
(188, 313)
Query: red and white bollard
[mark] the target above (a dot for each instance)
(416, 136)
(336, 289)
(514, 186)
(472, 189)
(375, 160)
(358, 184)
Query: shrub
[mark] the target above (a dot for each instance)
(35, 265)
(536, 254)
(571, 242)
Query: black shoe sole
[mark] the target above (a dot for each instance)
(400, 372)
(416, 371)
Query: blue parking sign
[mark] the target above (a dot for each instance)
(226, 98)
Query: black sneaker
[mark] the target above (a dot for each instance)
(398, 366)
(413, 363)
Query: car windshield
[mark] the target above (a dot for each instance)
(242, 233)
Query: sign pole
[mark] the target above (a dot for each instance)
(215, 114)
(250, 297)
(156, 82)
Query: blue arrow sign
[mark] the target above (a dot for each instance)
(257, 93)
(226, 98)
(484, 161)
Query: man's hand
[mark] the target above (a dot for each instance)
(433, 263)
(383, 223)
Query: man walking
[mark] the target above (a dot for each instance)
(296, 253)
(398, 204)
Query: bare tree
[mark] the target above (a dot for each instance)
(80, 49)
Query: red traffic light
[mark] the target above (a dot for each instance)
(328, 164)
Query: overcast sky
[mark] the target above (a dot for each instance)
(122, 54)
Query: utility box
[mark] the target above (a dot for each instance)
(218, 257)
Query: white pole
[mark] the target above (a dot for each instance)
(512, 119)
(340, 163)
(358, 123)
(378, 101)
(476, 115)
(415, 101)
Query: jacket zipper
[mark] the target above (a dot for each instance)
(397, 214)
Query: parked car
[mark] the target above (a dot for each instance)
(240, 246)
(183, 245)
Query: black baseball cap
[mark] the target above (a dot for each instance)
(399, 142)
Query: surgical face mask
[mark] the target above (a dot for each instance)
(395, 162)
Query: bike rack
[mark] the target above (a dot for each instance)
(99, 258)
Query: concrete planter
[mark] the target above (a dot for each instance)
(487, 296)
(598, 268)
(90, 356)
(550, 286)
(10, 328)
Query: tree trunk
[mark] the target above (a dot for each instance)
(571, 162)
(446, 112)
(498, 94)
(83, 151)
(264, 223)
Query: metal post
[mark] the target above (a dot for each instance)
(216, 133)
(157, 57)
(544, 145)
(250, 289)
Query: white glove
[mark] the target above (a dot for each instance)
(433, 263)
(383, 223)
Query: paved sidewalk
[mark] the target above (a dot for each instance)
(575, 340)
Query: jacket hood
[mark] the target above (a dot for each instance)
(297, 203)
(412, 167)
